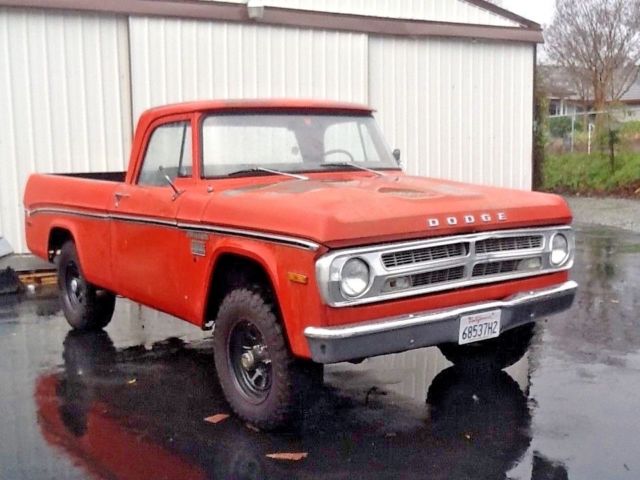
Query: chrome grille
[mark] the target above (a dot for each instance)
(436, 265)
(495, 268)
(506, 244)
(437, 276)
(428, 254)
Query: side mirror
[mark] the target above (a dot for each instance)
(396, 155)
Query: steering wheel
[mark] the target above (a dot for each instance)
(340, 150)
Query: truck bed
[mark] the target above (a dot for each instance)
(105, 176)
(76, 202)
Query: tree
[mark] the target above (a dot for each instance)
(598, 43)
(540, 111)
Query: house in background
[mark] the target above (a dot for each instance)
(565, 99)
(631, 101)
(561, 91)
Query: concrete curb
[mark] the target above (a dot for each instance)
(20, 272)
(25, 263)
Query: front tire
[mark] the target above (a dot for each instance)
(85, 307)
(491, 355)
(263, 383)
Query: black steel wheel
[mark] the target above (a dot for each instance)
(75, 286)
(85, 307)
(250, 361)
(263, 383)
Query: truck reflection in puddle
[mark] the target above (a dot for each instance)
(139, 413)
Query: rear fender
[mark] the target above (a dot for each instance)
(95, 267)
(69, 226)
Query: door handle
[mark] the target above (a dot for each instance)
(119, 196)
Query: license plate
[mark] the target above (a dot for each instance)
(479, 326)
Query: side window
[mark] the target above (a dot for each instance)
(168, 153)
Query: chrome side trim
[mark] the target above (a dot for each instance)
(406, 321)
(284, 239)
(145, 220)
(269, 237)
(66, 211)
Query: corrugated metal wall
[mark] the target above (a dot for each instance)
(457, 109)
(176, 60)
(434, 10)
(64, 101)
(71, 85)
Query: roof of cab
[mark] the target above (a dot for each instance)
(255, 104)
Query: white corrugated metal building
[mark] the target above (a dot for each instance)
(452, 80)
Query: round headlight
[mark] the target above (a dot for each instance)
(559, 250)
(354, 277)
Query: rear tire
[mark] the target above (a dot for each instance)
(263, 383)
(85, 306)
(491, 355)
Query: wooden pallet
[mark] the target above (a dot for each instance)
(38, 278)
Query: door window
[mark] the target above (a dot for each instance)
(168, 154)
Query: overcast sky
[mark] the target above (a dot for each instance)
(540, 11)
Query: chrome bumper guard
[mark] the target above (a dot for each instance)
(434, 327)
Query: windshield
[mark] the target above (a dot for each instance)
(291, 142)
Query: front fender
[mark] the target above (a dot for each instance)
(296, 300)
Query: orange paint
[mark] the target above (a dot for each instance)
(138, 241)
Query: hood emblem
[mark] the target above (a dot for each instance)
(468, 219)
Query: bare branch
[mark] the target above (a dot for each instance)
(598, 43)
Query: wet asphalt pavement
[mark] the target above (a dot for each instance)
(131, 402)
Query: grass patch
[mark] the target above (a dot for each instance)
(580, 173)
(630, 128)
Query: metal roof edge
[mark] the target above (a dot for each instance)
(503, 12)
(235, 12)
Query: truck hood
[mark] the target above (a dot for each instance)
(341, 210)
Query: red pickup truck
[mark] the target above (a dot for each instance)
(288, 227)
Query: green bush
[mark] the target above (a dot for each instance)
(561, 126)
(630, 128)
(582, 173)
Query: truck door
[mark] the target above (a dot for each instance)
(144, 212)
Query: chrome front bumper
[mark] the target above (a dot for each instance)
(434, 327)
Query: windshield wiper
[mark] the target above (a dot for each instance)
(267, 170)
(352, 165)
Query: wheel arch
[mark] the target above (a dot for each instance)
(234, 268)
(59, 234)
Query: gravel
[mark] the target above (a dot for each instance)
(610, 212)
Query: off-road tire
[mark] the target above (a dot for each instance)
(291, 379)
(88, 308)
(491, 355)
